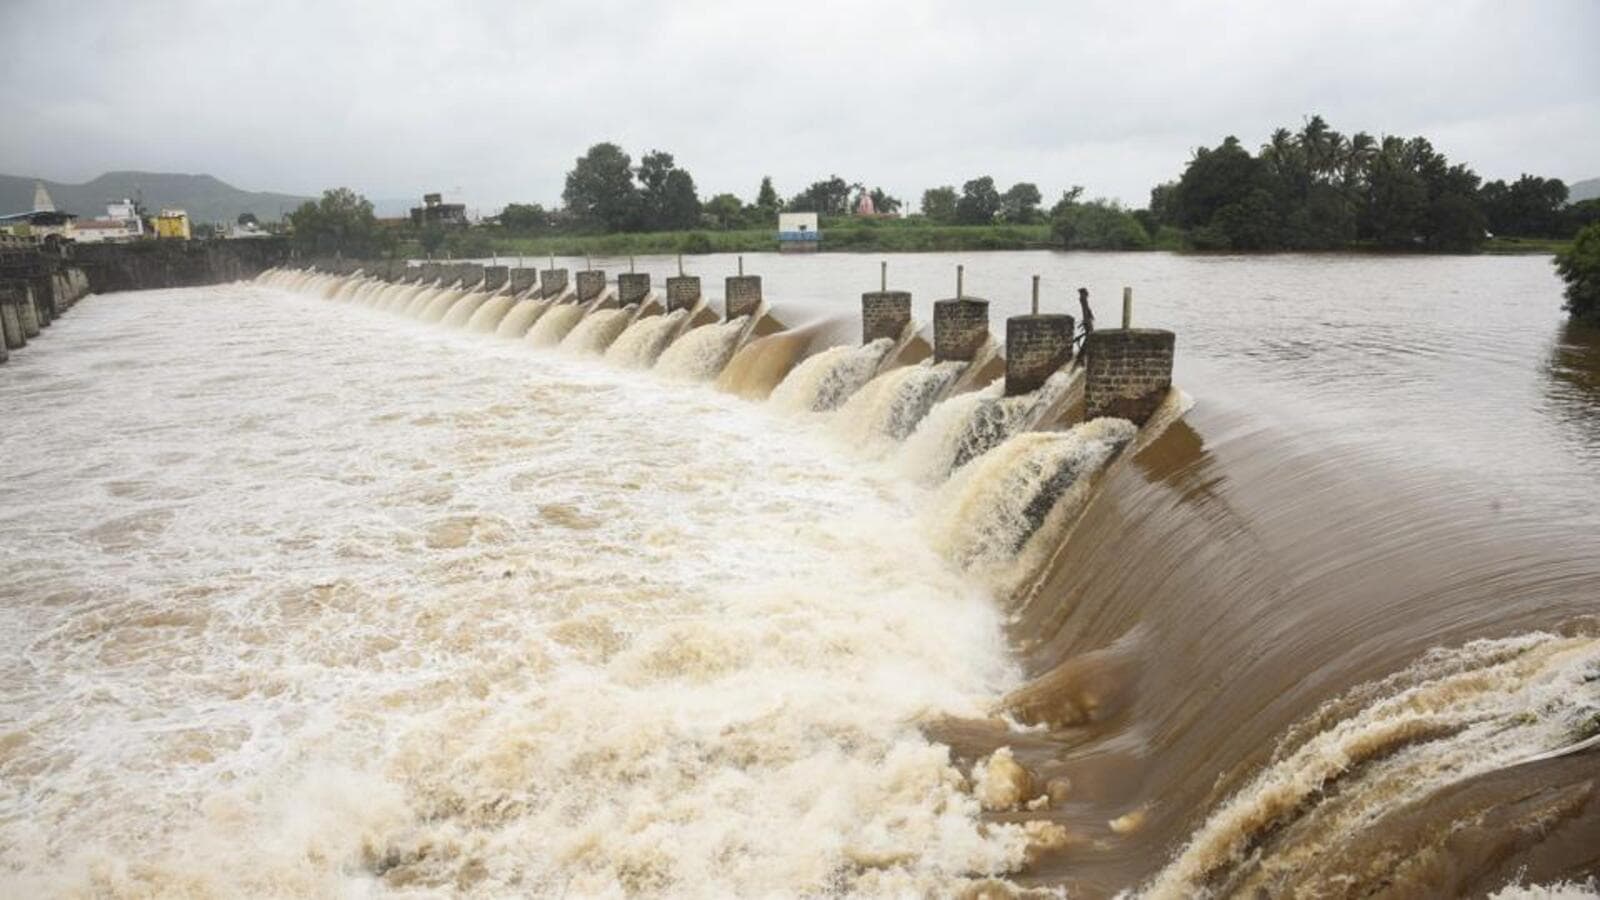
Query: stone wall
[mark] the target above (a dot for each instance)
(1036, 347)
(494, 277)
(683, 292)
(1128, 372)
(162, 264)
(884, 314)
(632, 287)
(742, 295)
(960, 328)
(523, 279)
(591, 284)
(553, 281)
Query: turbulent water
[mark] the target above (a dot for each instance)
(304, 598)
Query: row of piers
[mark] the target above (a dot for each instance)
(1127, 370)
(37, 286)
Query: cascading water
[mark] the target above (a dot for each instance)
(556, 323)
(463, 309)
(701, 353)
(520, 318)
(890, 406)
(829, 378)
(489, 316)
(964, 427)
(642, 343)
(597, 330)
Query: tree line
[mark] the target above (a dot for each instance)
(1316, 189)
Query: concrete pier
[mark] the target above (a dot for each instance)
(553, 283)
(494, 277)
(884, 314)
(591, 283)
(431, 272)
(1036, 347)
(683, 292)
(523, 280)
(11, 318)
(960, 328)
(470, 274)
(742, 295)
(632, 287)
(1128, 372)
(29, 313)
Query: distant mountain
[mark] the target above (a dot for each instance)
(205, 198)
(1587, 189)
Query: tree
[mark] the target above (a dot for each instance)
(1579, 267)
(767, 198)
(828, 198)
(883, 203)
(725, 211)
(340, 223)
(431, 237)
(1528, 207)
(1096, 225)
(529, 218)
(939, 204)
(1019, 205)
(248, 220)
(979, 203)
(600, 193)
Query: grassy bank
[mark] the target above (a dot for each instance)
(870, 237)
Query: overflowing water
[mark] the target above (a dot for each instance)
(310, 600)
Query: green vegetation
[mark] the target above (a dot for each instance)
(1315, 189)
(341, 223)
(1579, 267)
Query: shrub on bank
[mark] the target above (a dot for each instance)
(1579, 266)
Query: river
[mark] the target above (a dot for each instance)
(306, 599)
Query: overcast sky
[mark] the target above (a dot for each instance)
(492, 101)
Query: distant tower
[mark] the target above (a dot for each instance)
(41, 198)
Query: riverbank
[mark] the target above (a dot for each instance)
(865, 238)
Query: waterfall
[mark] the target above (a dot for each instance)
(889, 406)
(964, 427)
(828, 379)
(489, 316)
(463, 309)
(701, 354)
(438, 306)
(642, 342)
(1033, 484)
(520, 317)
(597, 330)
(554, 325)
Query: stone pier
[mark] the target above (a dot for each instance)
(523, 280)
(632, 288)
(683, 292)
(11, 317)
(591, 283)
(553, 283)
(29, 313)
(470, 274)
(431, 272)
(494, 277)
(1128, 372)
(742, 295)
(960, 328)
(884, 314)
(1036, 347)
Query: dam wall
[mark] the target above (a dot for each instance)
(38, 284)
(166, 264)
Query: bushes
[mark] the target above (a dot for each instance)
(1097, 225)
(1579, 266)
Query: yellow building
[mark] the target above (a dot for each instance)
(173, 223)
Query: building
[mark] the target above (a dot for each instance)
(44, 221)
(434, 211)
(122, 222)
(173, 224)
(798, 232)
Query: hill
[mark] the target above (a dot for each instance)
(207, 199)
(1588, 189)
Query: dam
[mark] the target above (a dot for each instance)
(786, 577)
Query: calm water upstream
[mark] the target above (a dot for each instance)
(305, 598)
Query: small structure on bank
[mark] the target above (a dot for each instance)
(434, 211)
(798, 232)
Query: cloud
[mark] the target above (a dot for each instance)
(493, 100)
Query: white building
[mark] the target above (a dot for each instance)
(121, 223)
